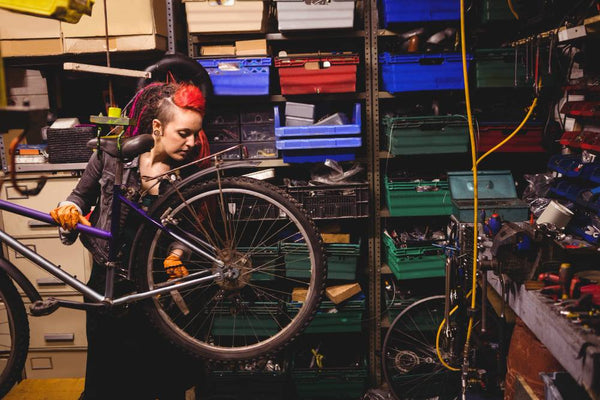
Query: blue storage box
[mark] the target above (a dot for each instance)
(317, 155)
(399, 11)
(316, 143)
(410, 72)
(238, 76)
(353, 128)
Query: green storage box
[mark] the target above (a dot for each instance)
(269, 257)
(342, 259)
(330, 383)
(397, 306)
(417, 198)
(347, 318)
(414, 262)
(426, 135)
(257, 321)
(495, 11)
(495, 68)
(496, 193)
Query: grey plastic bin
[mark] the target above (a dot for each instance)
(300, 15)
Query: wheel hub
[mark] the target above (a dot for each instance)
(406, 360)
(236, 270)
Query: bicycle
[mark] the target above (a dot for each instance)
(236, 302)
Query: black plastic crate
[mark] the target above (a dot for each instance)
(333, 201)
(68, 145)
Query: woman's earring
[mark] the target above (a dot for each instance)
(156, 132)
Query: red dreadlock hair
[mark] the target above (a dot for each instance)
(149, 103)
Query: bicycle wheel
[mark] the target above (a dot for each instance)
(410, 362)
(244, 224)
(14, 335)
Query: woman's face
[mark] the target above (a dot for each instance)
(176, 138)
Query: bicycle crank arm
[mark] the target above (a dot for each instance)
(165, 289)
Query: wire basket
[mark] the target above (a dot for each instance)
(69, 145)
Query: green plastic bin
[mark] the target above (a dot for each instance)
(257, 321)
(347, 318)
(417, 198)
(426, 135)
(268, 257)
(414, 262)
(342, 260)
(331, 383)
(496, 11)
(495, 68)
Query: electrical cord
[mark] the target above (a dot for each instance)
(512, 9)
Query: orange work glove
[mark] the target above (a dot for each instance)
(68, 216)
(174, 267)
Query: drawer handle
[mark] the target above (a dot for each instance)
(49, 282)
(38, 224)
(59, 337)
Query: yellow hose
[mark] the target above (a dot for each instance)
(512, 9)
(474, 163)
(437, 342)
(496, 147)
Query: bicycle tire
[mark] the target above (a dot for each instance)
(410, 364)
(14, 334)
(242, 208)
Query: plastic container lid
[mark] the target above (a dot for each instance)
(491, 185)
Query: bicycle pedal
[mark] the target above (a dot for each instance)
(44, 307)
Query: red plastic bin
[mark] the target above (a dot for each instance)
(527, 140)
(317, 73)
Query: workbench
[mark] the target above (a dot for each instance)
(576, 350)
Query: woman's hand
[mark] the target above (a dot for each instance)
(68, 216)
(175, 269)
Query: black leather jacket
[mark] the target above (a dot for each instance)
(95, 189)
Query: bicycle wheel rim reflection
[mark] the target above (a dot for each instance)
(410, 363)
(250, 311)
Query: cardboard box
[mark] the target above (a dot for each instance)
(299, 294)
(147, 31)
(339, 293)
(256, 47)
(217, 50)
(24, 35)
(335, 237)
(225, 16)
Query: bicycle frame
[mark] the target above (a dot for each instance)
(113, 239)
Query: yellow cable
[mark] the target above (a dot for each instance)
(512, 9)
(437, 342)
(496, 147)
(437, 339)
(474, 163)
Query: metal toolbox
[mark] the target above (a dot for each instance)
(496, 193)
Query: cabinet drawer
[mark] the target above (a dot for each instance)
(55, 364)
(74, 259)
(64, 328)
(55, 191)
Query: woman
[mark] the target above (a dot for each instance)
(126, 359)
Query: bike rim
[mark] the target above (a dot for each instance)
(260, 312)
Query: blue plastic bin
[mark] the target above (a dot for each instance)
(399, 11)
(409, 72)
(317, 155)
(316, 143)
(238, 76)
(318, 130)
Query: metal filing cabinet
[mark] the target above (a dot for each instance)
(58, 344)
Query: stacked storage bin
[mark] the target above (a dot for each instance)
(300, 15)
(316, 143)
(225, 16)
(222, 128)
(238, 76)
(317, 73)
(258, 133)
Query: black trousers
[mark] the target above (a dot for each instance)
(127, 359)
